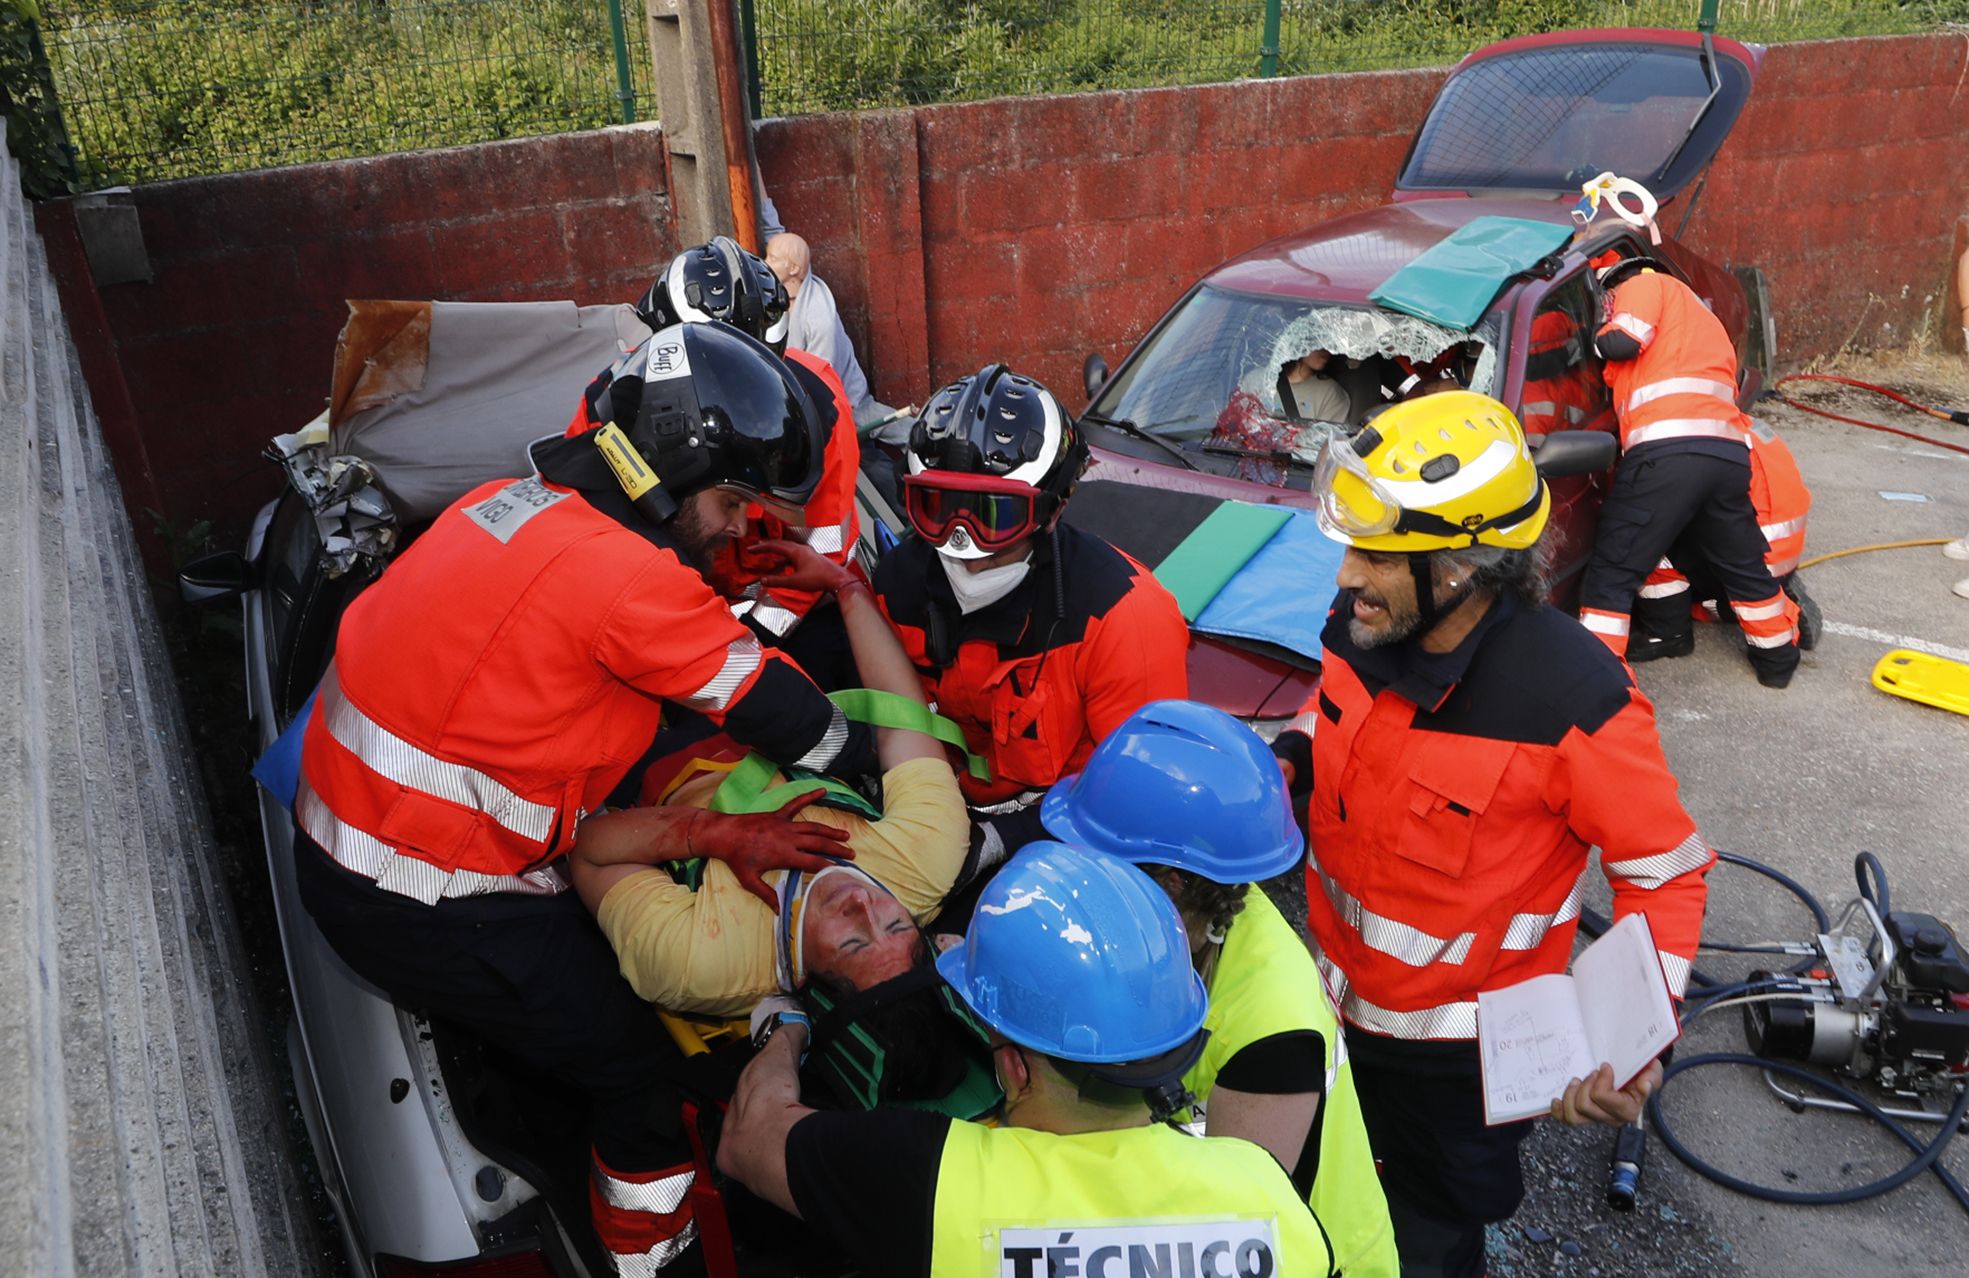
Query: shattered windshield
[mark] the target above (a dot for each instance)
(1252, 386)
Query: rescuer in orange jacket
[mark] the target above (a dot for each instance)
(1473, 745)
(495, 685)
(1036, 638)
(720, 282)
(1663, 617)
(1683, 472)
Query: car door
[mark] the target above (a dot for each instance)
(1546, 113)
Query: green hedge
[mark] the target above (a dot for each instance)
(167, 88)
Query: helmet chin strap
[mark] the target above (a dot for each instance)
(1422, 566)
(1431, 610)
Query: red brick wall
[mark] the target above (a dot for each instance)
(1052, 227)
(233, 339)
(1844, 181)
(1031, 231)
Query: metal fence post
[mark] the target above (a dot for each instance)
(1706, 20)
(625, 87)
(1268, 53)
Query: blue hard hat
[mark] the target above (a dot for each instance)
(1181, 783)
(1081, 956)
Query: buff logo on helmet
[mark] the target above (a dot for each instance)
(667, 361)
(1204, 1249)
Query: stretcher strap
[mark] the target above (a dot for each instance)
(745, 789)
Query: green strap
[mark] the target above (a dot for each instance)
(745, 790)
(887, 710)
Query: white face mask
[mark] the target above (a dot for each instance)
(975, 590)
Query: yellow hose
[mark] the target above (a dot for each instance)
(1885, 545)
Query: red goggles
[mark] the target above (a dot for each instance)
(993, 512)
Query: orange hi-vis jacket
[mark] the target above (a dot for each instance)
(504, 673)
(1455, 800)
(1782, 501)
(1032, 685)
(831, 527)
(1556, 393)
(1682, 384)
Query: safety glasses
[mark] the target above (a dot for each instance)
(992, 513)
(1352, 501)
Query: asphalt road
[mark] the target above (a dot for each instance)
(1801, 779)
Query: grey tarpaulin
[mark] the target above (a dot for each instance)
(459, 405)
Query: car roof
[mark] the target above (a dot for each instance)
(1346, 258)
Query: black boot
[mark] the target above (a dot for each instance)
(1647, 647)
(1775, 666)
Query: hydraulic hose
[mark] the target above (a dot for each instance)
(1959, 416)
(1879, 545)
(1593, 923)
(1926, 1156)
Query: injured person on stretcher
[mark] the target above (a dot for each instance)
(708, 942)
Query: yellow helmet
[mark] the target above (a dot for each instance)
(1437, 473)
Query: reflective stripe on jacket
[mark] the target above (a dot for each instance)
(1450, 839)
(1034, 690)
(1006, 1195)
(499, 680)
(1682, 386)
(1265, 983)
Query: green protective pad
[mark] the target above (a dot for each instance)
(1454, 281)
(1204, 562)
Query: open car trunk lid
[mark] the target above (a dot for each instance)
(1547, 113)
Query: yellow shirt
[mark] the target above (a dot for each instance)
(711, 951)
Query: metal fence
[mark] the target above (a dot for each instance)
(830, 55)
(169, 88)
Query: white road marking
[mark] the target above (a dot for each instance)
(1923, 453)
(1897, 641)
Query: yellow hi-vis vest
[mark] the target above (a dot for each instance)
(1016, 1203)
(1266, 983)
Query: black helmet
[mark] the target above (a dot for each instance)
(1612, 275)
(997, 423)
(719, 281)
(707, 406)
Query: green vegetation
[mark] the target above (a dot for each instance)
(154, 89)
(821, 55)
(168, 88)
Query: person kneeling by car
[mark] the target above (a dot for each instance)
(718, 945)
(497, 682)
(1078, 964)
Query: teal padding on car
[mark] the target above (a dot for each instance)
(1453, 282)
(1216, 549)
(1282, 594)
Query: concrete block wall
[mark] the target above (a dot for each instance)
(232, 340)
(140, 1123)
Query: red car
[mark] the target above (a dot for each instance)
(1514, 133)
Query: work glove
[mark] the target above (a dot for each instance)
(807, 569)
(754, 844)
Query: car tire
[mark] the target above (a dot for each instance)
(1811, 620)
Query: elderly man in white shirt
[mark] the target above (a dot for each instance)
(816, 323)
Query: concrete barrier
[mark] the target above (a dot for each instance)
(139, 1121)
